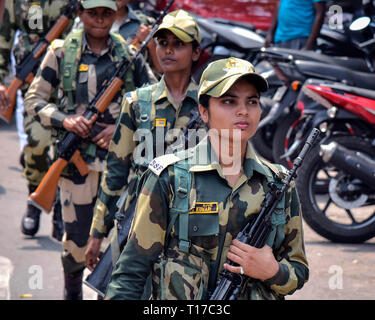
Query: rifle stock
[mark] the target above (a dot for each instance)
(25, 69)
(45, 193)
(11, 92)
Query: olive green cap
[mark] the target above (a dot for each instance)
(182, 25)
(220, 75)
(88, 4)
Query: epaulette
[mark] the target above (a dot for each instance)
(57, 43)
(160, 163)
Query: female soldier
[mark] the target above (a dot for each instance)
(193, 204)
(156, 113)
(77, 68)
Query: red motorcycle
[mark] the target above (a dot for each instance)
(336, 183)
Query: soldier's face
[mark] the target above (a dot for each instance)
(173, 54)
(238, 108)
(97, 22)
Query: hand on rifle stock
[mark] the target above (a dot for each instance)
(92, 252)
(77, 124)
(256, 263)
(104, 137)
(4, 99)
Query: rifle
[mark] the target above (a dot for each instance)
(25, 70)
(256, 232)
(99, 279)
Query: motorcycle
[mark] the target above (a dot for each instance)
(293, 68)
(287, 136)
(336, 184)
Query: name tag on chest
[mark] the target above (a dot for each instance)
(205, 208)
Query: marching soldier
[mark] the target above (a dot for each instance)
(134, 26)
(160, 111)
(32, 19)
(193, 204)
(77, 67)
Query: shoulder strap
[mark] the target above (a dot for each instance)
(145, 106)
(180, 204)
(72, 54)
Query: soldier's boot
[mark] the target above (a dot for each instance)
(57, 222)
(30, 220)
(73, 286)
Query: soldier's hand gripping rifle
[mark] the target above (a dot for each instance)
(44, 195)
(25, 70)
(99, 278)
(256, 232)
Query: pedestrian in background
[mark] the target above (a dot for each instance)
(296, 24)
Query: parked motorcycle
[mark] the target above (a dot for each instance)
(336, 184)
(286, 134)
(292, 69)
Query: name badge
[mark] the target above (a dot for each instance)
(83, 67)
(205, 208)
(160, 122)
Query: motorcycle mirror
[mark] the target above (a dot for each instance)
(360, 24)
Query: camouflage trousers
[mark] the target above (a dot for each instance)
(36, 151)
(77, 201)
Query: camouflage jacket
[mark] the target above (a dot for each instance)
(217, 212)
(129, 27)
(123, 169)
(92, 71)
(33, 19)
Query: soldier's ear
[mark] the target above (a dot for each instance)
(196, 54)
(204, 113)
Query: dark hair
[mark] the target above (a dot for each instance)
(204, 100)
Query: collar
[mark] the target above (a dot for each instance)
(204, 158)
(130, 17)
(162, 92)
(86, 47)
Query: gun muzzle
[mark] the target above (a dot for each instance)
(352, 162)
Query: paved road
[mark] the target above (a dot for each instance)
(30, 268)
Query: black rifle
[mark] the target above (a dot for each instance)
(99, 279)
(256, 232)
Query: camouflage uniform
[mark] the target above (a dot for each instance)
(123, 171)
(129, 27)
(151, 109)
(187, 213)
(216, 213)
(17, 16)
(78, 194)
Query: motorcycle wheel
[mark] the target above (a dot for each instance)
(284, 136)
(322, 212)
(262, 141)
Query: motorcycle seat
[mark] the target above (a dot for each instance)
(357, 64)
(365, 93)
(313, 69)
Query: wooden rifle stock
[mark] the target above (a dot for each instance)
(45, 193)
(37, 53)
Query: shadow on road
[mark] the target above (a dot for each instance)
(42, 243)
(346, 247)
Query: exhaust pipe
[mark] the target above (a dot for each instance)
(355, 163)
